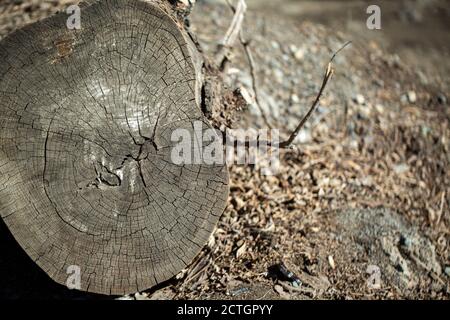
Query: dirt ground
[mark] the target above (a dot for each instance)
(360, 208)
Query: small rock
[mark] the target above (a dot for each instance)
(401, 168)
(299, 54)
(295, 99)
(442, 99)
(241, 251)
(412, 97)
(275, 45)
(324, 182)
(183, 272)
(279, 289)
(405, 241)
(279, 75)
(447, 271)
(331, 262)
(301, 203)
(239, 203)
(211, 242)
(232, 71)
(380, 108)
(354, 144)
(141, 296)
(321, 192)
(425, 130)
(359, 99)
(248, 97)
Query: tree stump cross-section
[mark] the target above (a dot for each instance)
(86, 117)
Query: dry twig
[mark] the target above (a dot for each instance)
(328, 74)
(251, 62)
(287, 143)
(232, 34)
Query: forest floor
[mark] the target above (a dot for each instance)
(360, 207)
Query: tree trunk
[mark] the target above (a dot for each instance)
(86, 174)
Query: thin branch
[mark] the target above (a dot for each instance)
(236, 25)
(232, 33)
(337, 52)
(251, 62)
(328, 74)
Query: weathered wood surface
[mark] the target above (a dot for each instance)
(86, 176)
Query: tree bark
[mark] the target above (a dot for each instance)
(86, 117)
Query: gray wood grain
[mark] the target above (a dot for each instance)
(86, 176)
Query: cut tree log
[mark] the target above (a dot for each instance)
(86, 117)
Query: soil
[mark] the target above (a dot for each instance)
(359, 209)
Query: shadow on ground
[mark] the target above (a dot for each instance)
(23, 279)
